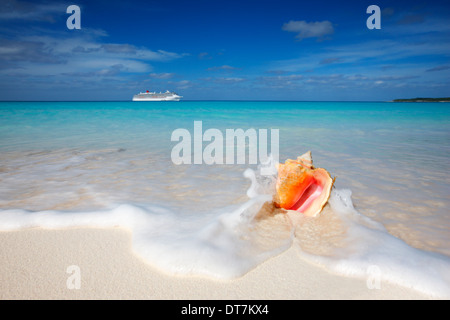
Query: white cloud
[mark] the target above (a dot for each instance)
(182, 85)
(281, 81)
(330, 60)
(351, 58)
(224, 67)
(438, 68)
(82, 55)
(318, 29)
(228, 80)
(164, 75)
(204, 55)
(22, 10)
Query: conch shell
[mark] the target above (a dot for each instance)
(302, 187)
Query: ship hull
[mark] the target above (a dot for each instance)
(154, 99)
(152, 96)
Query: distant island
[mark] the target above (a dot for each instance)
(423, 100)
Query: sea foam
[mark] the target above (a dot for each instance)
(224, 244)
(227, 243)
(368, 251)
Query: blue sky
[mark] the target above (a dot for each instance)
(220, 50)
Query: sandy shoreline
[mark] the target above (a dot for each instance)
(34, 265)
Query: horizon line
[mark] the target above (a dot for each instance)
(199, 100)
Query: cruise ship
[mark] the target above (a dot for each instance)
(153, 96)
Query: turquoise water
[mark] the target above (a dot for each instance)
(93, 156)
(389, 130)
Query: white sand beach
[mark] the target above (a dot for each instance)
(35, 263)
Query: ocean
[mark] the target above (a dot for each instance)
(106, 164)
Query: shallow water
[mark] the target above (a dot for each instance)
(112, 160)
